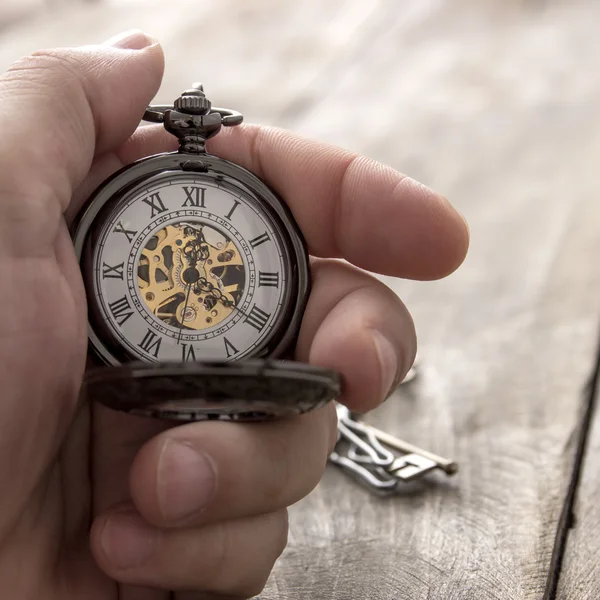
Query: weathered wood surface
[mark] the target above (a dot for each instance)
(496, 104)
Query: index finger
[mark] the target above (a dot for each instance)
(352, 207)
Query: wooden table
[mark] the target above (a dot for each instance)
(496, 103)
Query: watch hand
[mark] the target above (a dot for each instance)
(214, 292)
(189, 276)
(181, 325)
(231, 304)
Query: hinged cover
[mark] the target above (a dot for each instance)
(248, 390)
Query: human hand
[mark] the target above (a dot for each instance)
(100, 505)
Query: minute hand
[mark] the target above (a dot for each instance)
(219, 297)
(181, 325)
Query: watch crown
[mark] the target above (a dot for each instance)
(193, 101)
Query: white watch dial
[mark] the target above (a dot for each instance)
(187, 268)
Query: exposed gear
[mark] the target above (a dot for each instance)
(191, 254)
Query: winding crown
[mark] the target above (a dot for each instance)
(193, 101)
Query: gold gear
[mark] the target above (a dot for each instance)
(161, 284)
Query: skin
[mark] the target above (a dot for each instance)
(101, 505)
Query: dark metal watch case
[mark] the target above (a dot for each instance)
(257, 388)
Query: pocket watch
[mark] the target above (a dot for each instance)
(196, 279)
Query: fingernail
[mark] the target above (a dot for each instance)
(388, 363)
(130, 40)
(187, 481)
(127, 540)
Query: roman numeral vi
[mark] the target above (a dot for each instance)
(187, 354)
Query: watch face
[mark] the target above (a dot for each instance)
(187, 266)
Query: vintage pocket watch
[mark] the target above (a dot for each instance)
(196, 277)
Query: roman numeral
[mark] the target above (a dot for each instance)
(229, 346)
(151, 343)
(261, 239)
(257, 318)
(156, 204)
(235, 205)
(268, 279)
(109, 272)
(129, 233)
(187, 353)
(194, 196)
(121, 310)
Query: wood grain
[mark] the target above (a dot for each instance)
(494, 103)
(496, 110)
(578, 578)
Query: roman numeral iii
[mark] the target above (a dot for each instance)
(257, 318)
(268, 279)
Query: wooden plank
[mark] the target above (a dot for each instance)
(578, 571)
(500, 114)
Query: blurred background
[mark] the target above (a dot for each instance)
(491, 102)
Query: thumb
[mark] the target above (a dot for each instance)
(58, 108)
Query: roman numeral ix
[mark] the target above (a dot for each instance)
(268, 279)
